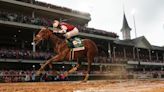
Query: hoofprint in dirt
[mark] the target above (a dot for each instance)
(90, 86)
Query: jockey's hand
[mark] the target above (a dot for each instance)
(54, 31)
(62, 31)
(66, 36)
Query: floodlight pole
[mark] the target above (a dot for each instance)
(134, 26)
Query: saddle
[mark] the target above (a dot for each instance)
(75, 43)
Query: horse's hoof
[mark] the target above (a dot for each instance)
(84, 81)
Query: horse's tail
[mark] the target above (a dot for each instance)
(95, 48)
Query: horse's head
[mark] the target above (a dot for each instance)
(43, 34)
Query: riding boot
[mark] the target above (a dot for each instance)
(70, 41)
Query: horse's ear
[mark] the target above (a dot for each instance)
(43, 28)
(46, 27)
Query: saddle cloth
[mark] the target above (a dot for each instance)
(75, 44)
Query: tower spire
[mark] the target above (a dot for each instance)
(125, 27)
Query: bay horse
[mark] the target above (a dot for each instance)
(64, 52)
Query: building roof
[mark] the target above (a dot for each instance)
(140, 42)
(45, 10)
(124, 42)
(157, 47)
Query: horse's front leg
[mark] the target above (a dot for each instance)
(50, 65)
(43, 66)
(48, 62)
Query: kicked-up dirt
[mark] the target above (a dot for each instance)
(90, 86)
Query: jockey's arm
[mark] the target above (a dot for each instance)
(55, 30)
(63, 29)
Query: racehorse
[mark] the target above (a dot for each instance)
(64, 52)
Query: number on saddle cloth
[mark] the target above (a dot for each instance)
(74, 42)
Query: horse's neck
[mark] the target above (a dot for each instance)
(55, 41)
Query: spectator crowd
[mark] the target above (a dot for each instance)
(28, 76)
(15, 53)
(24, 54)
(43, 21)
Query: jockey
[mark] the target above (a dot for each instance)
(69, 30)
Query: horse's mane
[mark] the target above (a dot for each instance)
(60, 35)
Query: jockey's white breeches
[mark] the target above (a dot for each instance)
(72, 33)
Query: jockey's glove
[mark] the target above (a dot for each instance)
(54, 31)
(58, 32)
(62, 31)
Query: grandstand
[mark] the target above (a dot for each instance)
(21, 19)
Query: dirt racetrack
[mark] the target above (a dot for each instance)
(90, 86)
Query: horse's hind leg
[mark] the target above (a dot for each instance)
(72, 69)
(90, 60)
(87, 73)
(48, 62)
